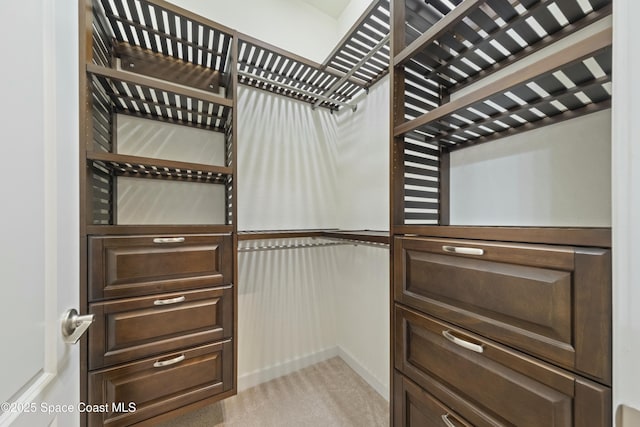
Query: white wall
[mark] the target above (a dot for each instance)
(626, 211)
(287, 310)
(287, 163)
(362, 292)
(363, 162)
(350, 14)
(300, 168)
(291, 25)
(557, 175)
(149, 201)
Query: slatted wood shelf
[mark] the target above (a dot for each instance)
(144, 167)
(164, 28)
(169, 230)
(366, 236)
(349, 70)
(290, 75)
(370, 30)
(574, 236)
(574, 81)
(456, 46)
(141, 96)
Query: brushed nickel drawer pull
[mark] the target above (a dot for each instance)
(169, 301)
(160, 364)
(446, 421)
(463, 251)
(168, 240)
(462, 343)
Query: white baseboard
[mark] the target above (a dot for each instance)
(364, 373)
(254, 378)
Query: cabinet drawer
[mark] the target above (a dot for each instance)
(506, 387)
(186, 377)
(133, 328)
(550, 301)
(142, 265)
(414, 407)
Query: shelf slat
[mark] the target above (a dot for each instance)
(133, 230)
(574, 236)
(145, 167)
(438, 29)
(157, 84)
(576, 52)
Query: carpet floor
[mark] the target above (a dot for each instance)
(326, 394)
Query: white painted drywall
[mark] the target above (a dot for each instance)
(149, 201)
(287, 163)
(626, 211)
(159, 140)
(300, 168)
(291, 25)
(362, 292)
(287, 315)
(350, 14)
(558, 175)
(363, 162)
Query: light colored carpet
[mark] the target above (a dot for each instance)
(326, 394)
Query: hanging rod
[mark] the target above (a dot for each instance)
(320, 98)
(295, 245)
(356, 242)
(298, 245)
(353, 70)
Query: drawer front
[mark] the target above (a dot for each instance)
(138, 391)
(142, 265)
(134, 328)
(504, 385)
(414, 407)
(532, 297)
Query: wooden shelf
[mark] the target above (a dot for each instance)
(349, 70)
(454, 47)
(145, 167)
(369, 236)
(141, 96)
(162, 27)
(132, 230)
(365, 34)
(575, 236)
(266, 67)
(571, 82)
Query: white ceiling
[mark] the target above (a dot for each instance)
(333, 8)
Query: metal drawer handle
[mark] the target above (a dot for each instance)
(168, 240)
(169, 301)
(463, 251)
(446, 421)
(462, 343)
(160, 364)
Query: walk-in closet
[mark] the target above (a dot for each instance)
(406, 201)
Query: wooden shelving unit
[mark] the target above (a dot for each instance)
(359, 60)
(465, 72)
(161, 63)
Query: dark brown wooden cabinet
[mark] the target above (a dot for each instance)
(140, 390)
(414, 407)
(156, 350)
(549, 301)
(495, 325)
(163, 288)
(475, 376)
(133, 328)
(142, 265)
